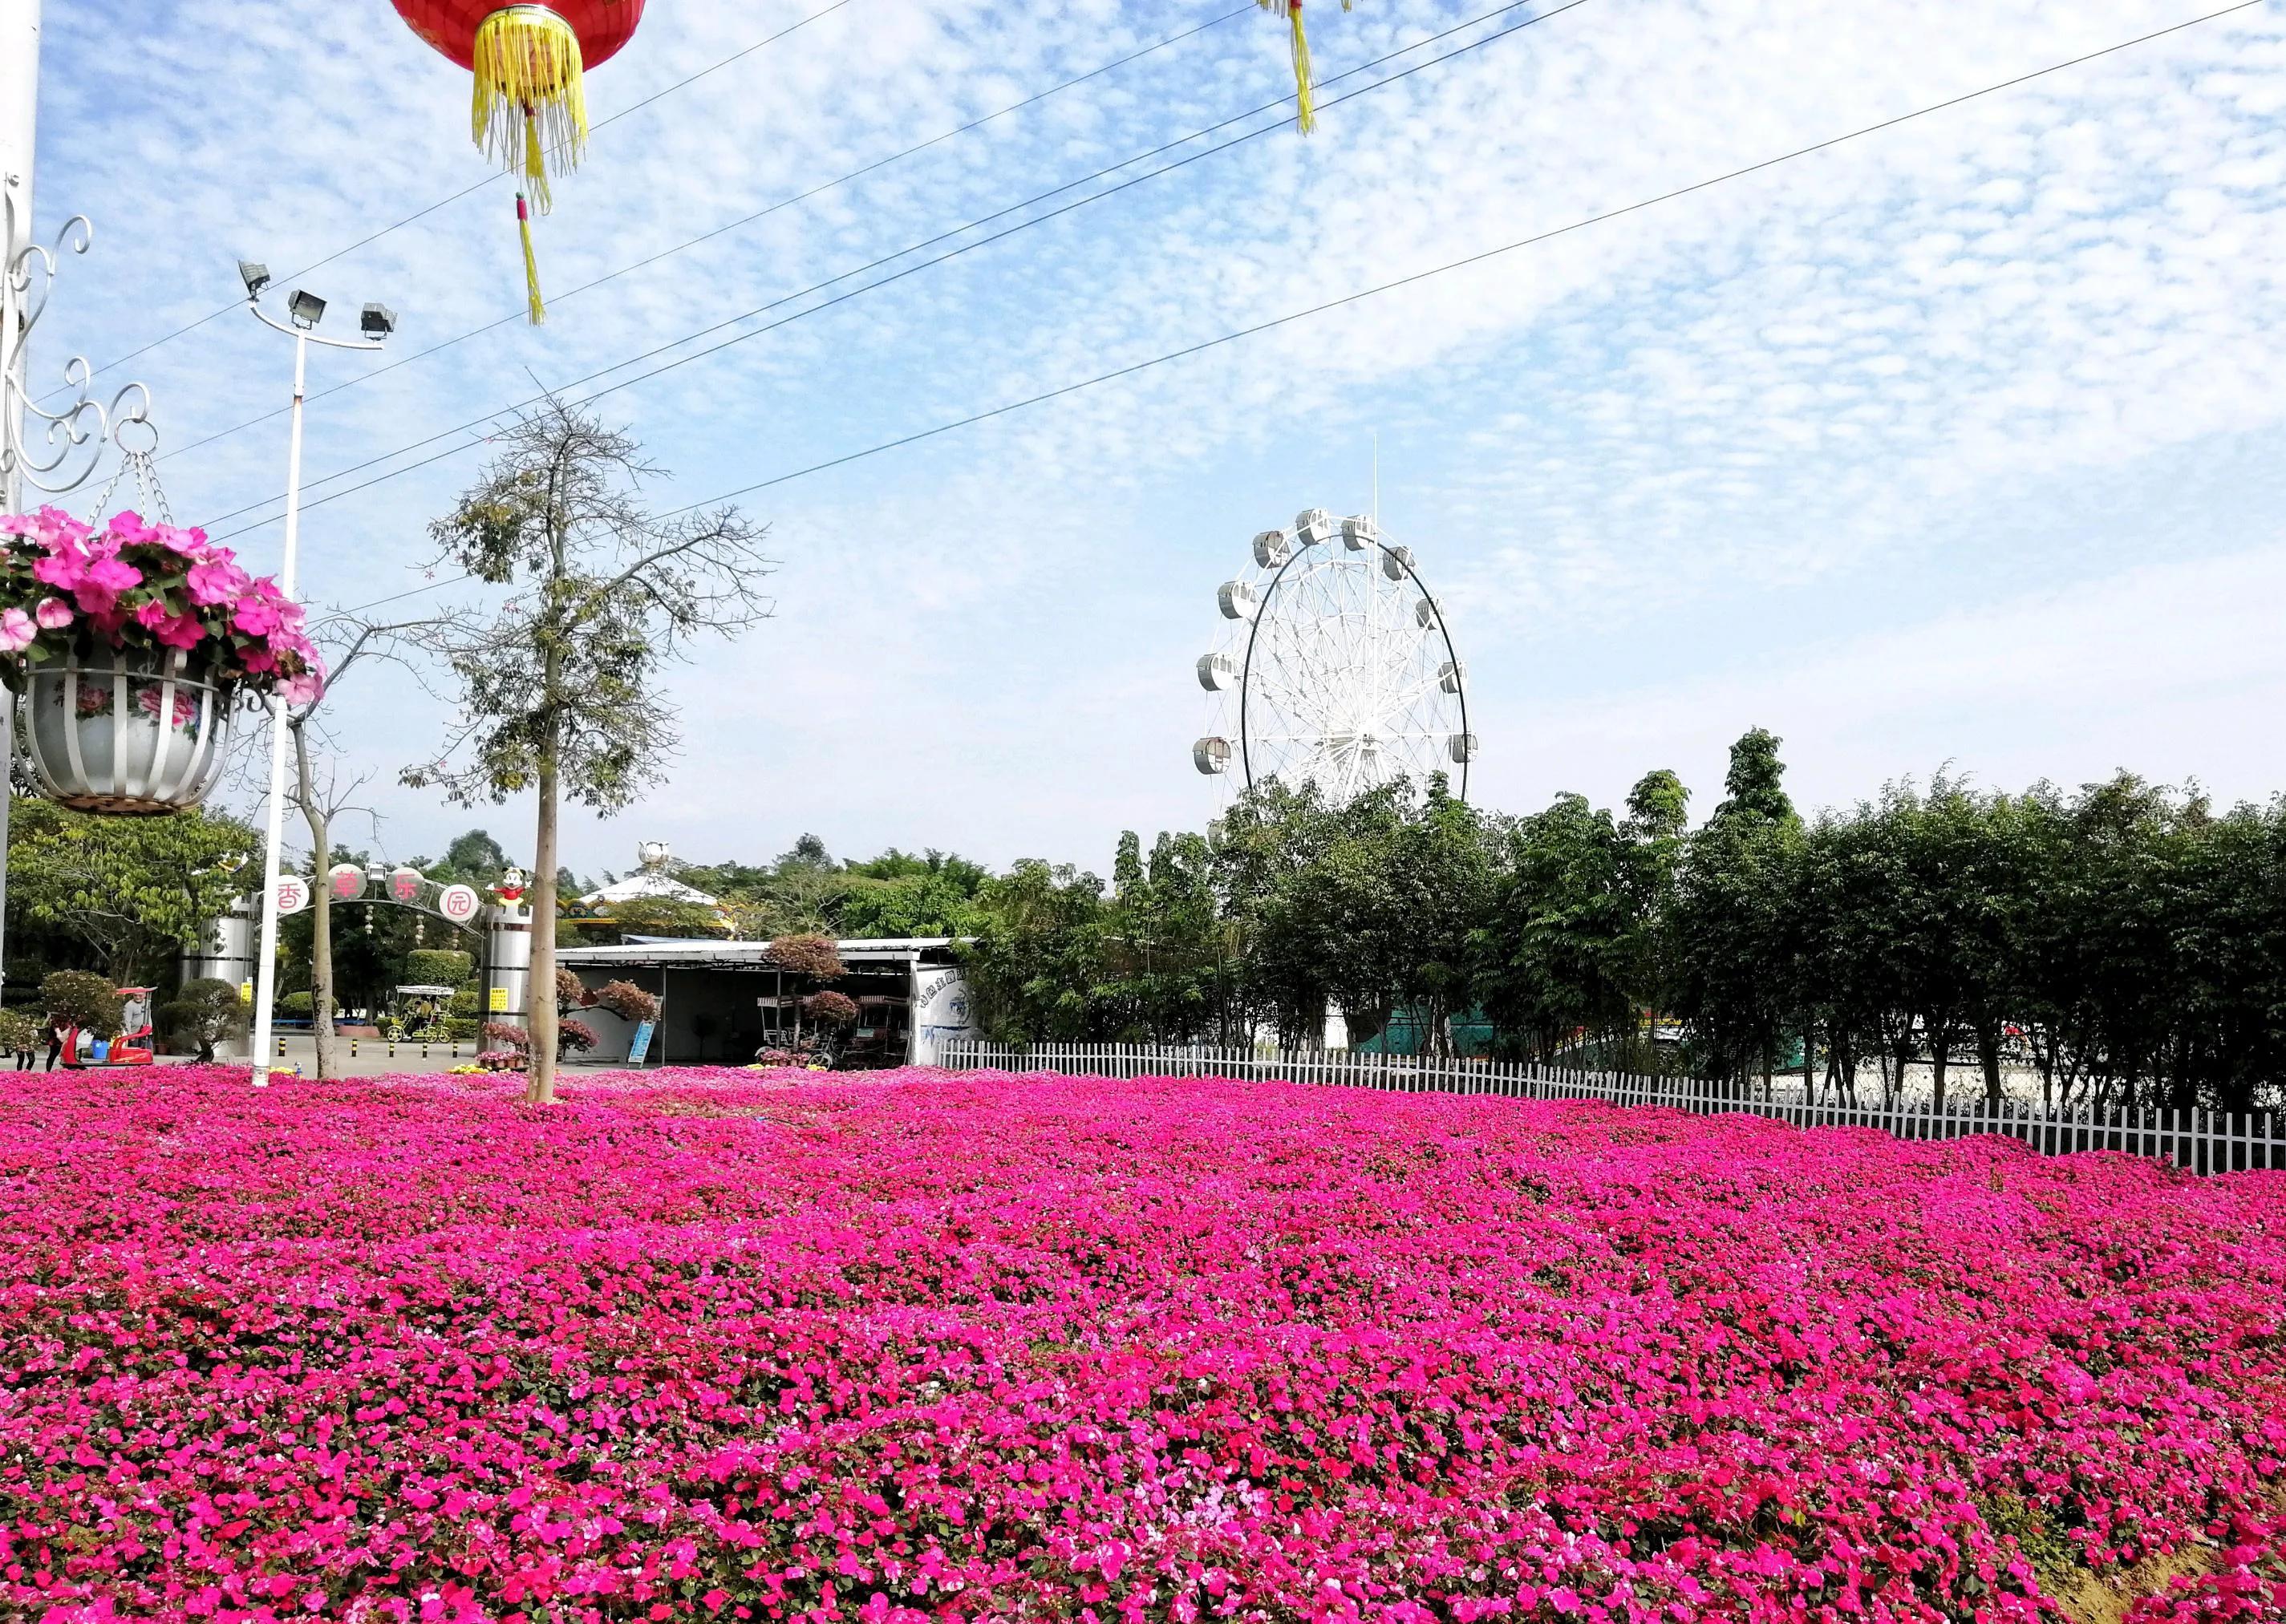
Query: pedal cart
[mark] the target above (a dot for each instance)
(133, 1045)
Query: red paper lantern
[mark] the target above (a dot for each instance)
(529, 106)
(600, 26)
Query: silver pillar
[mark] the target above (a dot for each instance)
(508, 932)
(227, 954)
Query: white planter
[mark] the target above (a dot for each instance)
(124, 731)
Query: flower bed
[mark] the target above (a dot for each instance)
(777, 1345)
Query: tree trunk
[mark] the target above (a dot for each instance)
(1988, 1050)
(540, 995)
(1939, 1042)
(321, 912)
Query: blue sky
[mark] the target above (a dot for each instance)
(1958, 443)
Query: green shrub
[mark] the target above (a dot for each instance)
(439, 967)
(463, 1007)
(20, 1031)
(460, 1028)
(206, 1012)
(84, 999)
(299, 1006)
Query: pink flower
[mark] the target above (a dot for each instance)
(257, 659)
(17, 630)
(151, 612)
(125, 529)
(62, 569)
(255, 615)
(191, 543)
(53, 613)
(183, 631)
(114, 574)
(56, 529)
(217, 580)
(305, 688)
(100, 602)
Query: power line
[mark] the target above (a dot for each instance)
(1409, 281)
(1456, 265)
(444, 203)
(395, 597)
(955, 253)
(517, 314)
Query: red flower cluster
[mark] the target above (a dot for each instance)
(913, 1346)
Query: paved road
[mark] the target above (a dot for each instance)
(373, 1057)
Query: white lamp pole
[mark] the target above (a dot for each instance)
(305, 311)
(19, 105)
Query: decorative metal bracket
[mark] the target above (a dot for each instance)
(69, 446)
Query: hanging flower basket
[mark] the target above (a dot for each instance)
(125, 648)
(123, 732)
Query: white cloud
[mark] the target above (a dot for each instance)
(1851, 390)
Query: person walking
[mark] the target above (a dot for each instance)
(57, 1026)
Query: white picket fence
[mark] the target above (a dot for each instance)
(2197, 1140)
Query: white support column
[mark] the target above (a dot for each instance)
(509, 930)
(20, 110)
(20, 117)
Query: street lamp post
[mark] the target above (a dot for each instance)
(303, 311)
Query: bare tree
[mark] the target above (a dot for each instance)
(324, 796)
(558, 684)
(320, 789)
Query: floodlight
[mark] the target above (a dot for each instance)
(377, 322)
(307, 309)
(256, 277)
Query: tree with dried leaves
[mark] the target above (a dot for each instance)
(558, 685)
(324, 795)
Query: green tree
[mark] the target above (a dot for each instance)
(1038, 963)
(134, 891)
(1752, 784)
(1735, 941)
(475, 859)
(1558, 943)
(924, 904)
(558, 687)
(648, 916)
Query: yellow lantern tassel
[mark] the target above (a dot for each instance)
(535, 162)
(1307, 119)
(527, 64)
(537, 307)
(1304, 89)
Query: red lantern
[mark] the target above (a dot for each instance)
(529, 106)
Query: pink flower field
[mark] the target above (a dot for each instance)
(907, 1346)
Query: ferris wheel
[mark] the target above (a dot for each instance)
(1336, 666)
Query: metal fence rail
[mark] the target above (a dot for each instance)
(2200, 1141)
